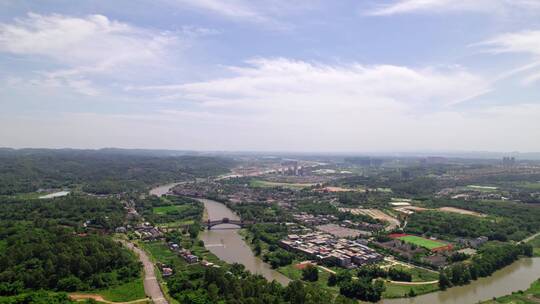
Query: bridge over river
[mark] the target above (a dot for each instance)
(226, 220)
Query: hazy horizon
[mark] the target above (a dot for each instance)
(237, 75)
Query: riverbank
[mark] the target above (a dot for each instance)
(528, 296)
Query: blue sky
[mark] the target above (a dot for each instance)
(354, 76)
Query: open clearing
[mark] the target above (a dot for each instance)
(481, 188)
(257, 183)
(376, 214)
(461, 211)
(341, 189)
(422, 242)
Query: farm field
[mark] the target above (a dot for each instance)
(422, 242)
(257, 183)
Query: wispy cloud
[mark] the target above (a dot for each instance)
(235, 9)
(288, 84)
(439, 6)
(523, 42)
(518, 42)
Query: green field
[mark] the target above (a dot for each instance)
(257, 183)
(167, 209)
(422, 242)
(126, 292)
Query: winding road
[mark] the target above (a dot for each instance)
(151, 284)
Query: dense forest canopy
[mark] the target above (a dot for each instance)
(71, 210)
(50, 257)
(101, 171)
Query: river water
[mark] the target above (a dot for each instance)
(229, 246)
(162, 190)
(225, 242)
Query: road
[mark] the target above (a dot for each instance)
(151, 284)
(530, 238)
(99, 298)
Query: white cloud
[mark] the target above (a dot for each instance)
(90, 40)
(84, 47)
(484, 6)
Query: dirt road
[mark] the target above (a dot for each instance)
(151, 284)
(99, 298)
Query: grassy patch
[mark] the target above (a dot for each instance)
(126, 292)
(422, 242)
(419, 274)
(160, 252)
(400, 291)
(168, 209)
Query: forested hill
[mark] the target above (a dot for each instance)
(99, 171)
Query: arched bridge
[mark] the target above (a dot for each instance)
(225, 220)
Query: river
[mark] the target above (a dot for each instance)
(163, 189)
(229, 246)
(517, 276)
(225, 242)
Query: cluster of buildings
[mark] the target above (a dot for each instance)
(147, 232)
(184, 253)
(463, 193)
(234, 192)
(472, 243)
(330, 250)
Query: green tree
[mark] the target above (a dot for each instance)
(310, 273)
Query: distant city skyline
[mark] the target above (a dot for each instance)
(276, 75)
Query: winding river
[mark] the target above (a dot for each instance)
(229, 246)
(225, 242)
